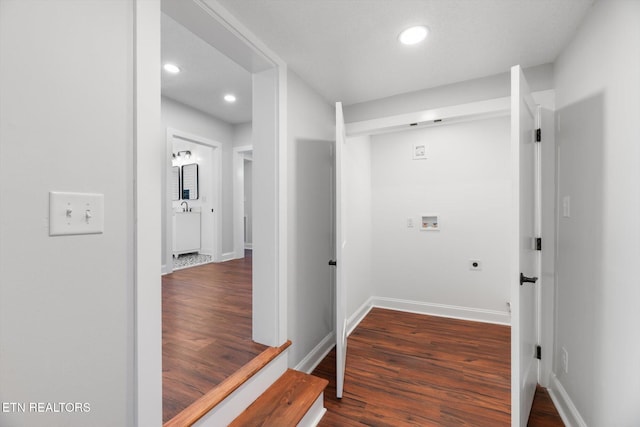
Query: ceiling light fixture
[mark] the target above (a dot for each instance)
(230, 98)
(171, 68)
(413, 35)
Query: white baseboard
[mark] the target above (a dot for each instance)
(227, 256)
(315, 356)
(164, 269)
(248, 245)
(567, 410)
(443, 310)
(354, 320)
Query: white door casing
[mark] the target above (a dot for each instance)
(341, 242)
(525, 258)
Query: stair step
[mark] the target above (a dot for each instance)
(200, 407)
(285, 403)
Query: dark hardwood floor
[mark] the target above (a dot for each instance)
(544, 412)
(206, 330)
(407, 369)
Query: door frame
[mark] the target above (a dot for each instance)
(146, 176)
(216, 185)
(239, 155)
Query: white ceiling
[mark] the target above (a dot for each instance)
(348, 49)
(206, 75)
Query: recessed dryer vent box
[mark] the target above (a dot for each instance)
(429, 223)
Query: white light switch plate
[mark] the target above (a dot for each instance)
(75, 213)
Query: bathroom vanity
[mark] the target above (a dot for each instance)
(186, 232)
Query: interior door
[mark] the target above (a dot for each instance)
(341, 243)
(525, 261)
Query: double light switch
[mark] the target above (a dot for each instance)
(75, 213)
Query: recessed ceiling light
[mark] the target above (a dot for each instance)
(230, 98)
(413, 35)
(171, 68)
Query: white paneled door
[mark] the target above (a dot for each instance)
(339, 262)
(525, 258)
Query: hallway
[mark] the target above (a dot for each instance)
(206, 329)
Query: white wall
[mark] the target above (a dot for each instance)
(598, 101)
(465, 181)
(311, 132)
(359, 216)
(266, 327)
(496, 86)
(248, 207)
(66, 302)
(183, 118)
(242, 134)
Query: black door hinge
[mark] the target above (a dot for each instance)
(538, 135)
(538, 243)
(539, 352)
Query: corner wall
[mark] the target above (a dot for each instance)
(598, 242)
(66, 124)
(311, 136)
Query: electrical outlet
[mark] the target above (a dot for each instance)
(565, 360)
(475, 265)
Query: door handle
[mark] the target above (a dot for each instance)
(524, 279)
(332, 262)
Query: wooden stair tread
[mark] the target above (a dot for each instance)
(197, 409)
(285, 403)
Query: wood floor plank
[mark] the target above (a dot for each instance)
(285, 403)
(206, 330)
(407, 369)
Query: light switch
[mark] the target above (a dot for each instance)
(75, 213)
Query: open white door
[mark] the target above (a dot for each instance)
(341, 242)
(525, 263)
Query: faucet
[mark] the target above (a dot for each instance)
(185, 209)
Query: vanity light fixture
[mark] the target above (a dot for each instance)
(413, 35)
(182, 155)
(171, 68)
(230, 98)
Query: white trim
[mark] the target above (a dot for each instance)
(239, 155)
(315, 356)
(146, 179)
(314, 413)
(567, 410)
(230, 408)
(456, 113)
(248, 245)
(354, 320)
(227, 256)
(444, 310)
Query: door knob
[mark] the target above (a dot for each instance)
(332, 262)
(524, 279)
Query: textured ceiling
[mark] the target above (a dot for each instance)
(206, 76)
(348, 49)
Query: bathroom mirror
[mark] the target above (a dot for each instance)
(190, 181)
(175, 183)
